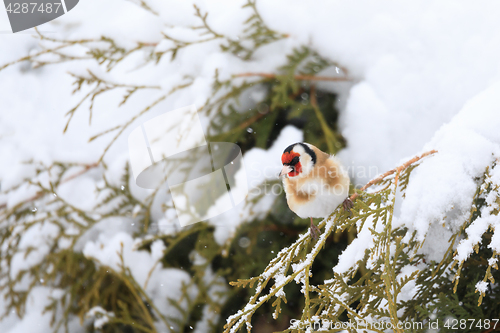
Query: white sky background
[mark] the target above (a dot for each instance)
(417, 65)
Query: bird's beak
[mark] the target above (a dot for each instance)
(286, 169)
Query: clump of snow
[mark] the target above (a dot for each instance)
(492, 261)
(481, 286)
(100, 316)
(442, 188)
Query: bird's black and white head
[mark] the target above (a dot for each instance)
(298, 160)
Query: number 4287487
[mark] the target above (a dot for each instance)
(27, 7)
(471, 323)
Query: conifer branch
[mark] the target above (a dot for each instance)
(39, 194)
(390, 172)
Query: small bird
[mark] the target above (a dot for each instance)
(315, 182)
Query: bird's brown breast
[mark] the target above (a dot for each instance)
(326, 172)
(294, 195)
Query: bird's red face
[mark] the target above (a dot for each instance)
(291, 164)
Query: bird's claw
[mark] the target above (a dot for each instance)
(314, 232)
(347, 204)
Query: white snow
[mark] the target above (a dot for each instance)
(356, 250)
(100, 316)
(481, 286)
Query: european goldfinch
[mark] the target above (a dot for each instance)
(315, 183)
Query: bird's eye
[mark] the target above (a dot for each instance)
(295, 160)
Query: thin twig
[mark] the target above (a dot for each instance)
(390, 172)
(85, 169)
